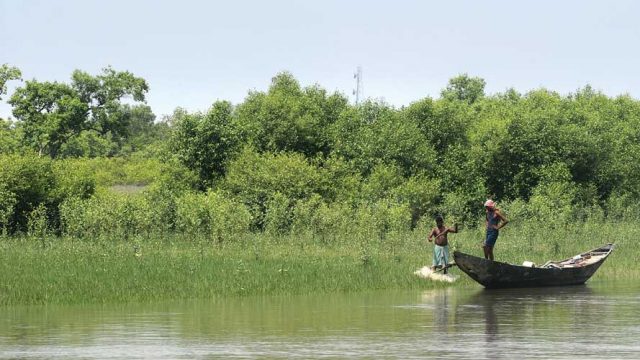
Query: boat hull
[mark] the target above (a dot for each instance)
(495, 274)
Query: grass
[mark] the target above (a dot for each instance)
(71, 271)
(65, 270)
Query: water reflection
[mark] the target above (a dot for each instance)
(537, 322)
(440, 302)
(452, 322)
(490, 318)
(521, 308)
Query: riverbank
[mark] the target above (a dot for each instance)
(55, 270)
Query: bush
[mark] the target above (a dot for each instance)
(553, 198)
(117, 215)
(278, 214)
(26, 182)
(37, 224)
(73, 179)
(88, 143)
(323, 221)
(622, 207)
(212, 215)
(254, 179)
(421, 195)
(8, 201)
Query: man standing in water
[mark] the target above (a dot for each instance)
(441, 248)
(494, 221)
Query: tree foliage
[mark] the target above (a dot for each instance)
(53, 113)
(8, 73)
(206, 142)
(295, 156)
(290, 118)
(464, 88)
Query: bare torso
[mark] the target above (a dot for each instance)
(440, 235)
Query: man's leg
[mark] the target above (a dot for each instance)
(445, 259)
(434, 262)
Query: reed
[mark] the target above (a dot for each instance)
(43, 270)
(71, 271)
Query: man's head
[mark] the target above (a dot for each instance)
(489, 204)
(439, 220)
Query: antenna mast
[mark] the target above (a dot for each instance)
(358, 91)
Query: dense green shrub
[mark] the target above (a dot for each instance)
(278, 214)
(88, 143)
(321, 221)
(255, 179)
(8, 201)
(31, 185)
(119, 215)
(622, 207)
(73, 179)
(212, 215)
(26, 182)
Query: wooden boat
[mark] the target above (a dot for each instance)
(495, 274)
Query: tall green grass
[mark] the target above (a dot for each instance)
(69, 271)
(41, 270)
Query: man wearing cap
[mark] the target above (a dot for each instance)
(494, 221)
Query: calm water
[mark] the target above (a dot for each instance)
(600, 320)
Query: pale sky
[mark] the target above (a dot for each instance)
(193, 53)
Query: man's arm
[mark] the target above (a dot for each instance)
(503, 220)
(444, 232)
(454, 229)
(431, 234)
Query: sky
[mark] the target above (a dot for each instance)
(193, 53)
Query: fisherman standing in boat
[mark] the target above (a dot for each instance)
(441, 248)
(494, 221)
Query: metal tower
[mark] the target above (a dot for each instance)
(358, 90)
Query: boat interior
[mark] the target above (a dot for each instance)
(587, 258)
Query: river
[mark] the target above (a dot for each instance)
(600, 320)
